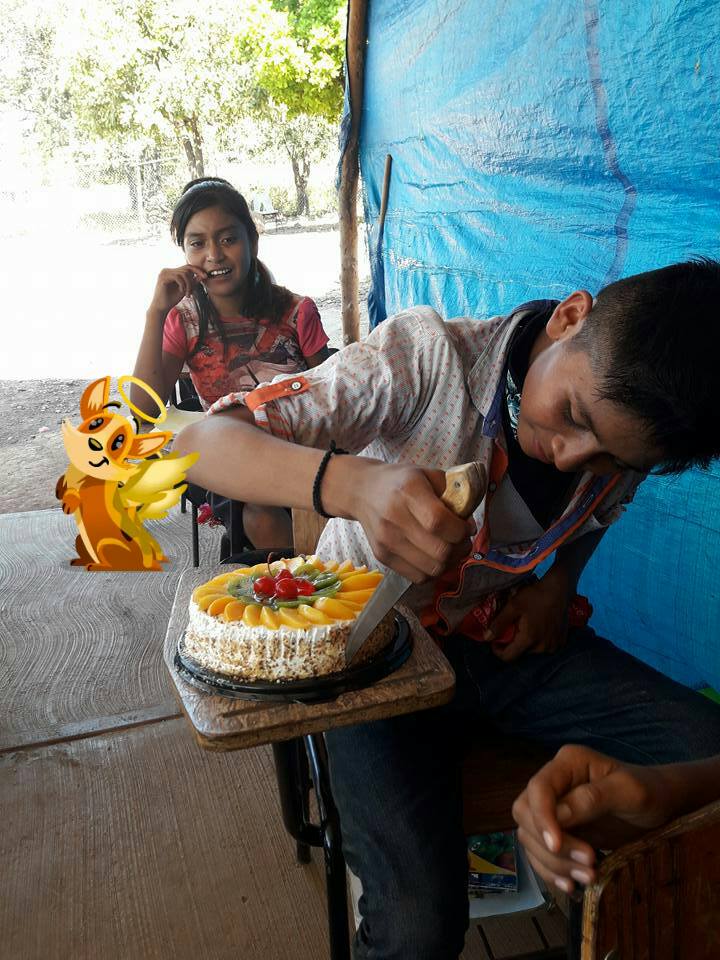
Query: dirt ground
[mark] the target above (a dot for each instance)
(32, 455)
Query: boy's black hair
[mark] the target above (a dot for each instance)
(263, 298)
(654, 342)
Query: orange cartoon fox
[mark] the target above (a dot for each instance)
(109, 496)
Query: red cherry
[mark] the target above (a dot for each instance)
(264, 586)
(304, 587)
(286, 589)
(283, 575)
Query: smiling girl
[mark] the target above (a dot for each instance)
(222, 315)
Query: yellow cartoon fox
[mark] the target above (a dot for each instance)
(109, 496)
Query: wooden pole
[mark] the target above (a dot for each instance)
(347, 198)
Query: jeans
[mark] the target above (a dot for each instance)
(397, 784)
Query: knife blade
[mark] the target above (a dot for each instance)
(465, 487)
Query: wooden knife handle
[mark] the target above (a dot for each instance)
(465, 487)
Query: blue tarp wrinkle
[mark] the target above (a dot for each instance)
(538, 148)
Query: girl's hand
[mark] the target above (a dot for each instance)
(173, 285)
(538, 613)
(409, 528)
(604, 802)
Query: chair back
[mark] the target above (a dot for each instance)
(659, 897)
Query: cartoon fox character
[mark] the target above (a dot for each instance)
(109, 496)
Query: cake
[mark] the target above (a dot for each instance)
(284, 620)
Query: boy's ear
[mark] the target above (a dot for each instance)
(569, 316)
(94, 397)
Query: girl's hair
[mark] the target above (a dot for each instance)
(262, 298)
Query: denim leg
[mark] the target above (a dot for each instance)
(591, 692)
(396, 783)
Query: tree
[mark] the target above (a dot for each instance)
(295, 50)
(158, 71)
(33, 72)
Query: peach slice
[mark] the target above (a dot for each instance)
(334, 608)
(233, 611)
(218, 605)
(352, 604)
(206, 599)
(362, 581)
(251, 615)
(358, 596)
(351, 573)
(291, 618)
(269, 618)
(345, 567)
(313, 615)
(225, 578)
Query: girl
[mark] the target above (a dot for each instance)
(222, 315)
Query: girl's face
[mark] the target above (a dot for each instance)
(218, 242)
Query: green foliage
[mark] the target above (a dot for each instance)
(123, 81)
(323, 200)
(151, 70)
(283, 201)
(296, 51)
(33, 71)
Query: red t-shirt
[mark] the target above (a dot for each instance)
(258, 350)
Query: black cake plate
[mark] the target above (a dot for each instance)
(312, 690)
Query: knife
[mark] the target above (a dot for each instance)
(465, 487)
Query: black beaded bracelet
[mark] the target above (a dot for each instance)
(317, 502)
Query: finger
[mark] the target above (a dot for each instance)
(443, 542)
(560, 864)
(411, 567)
(392, 547)
(551, 785)
(587, 802)
(566, 885)
(197, 273)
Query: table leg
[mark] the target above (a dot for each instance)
(332, 848)
(291, 769)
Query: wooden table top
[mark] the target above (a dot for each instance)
(425, 680)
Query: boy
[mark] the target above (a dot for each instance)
(568, 405)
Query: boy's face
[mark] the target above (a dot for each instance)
(561, 420)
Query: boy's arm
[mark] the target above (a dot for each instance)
(398, 505)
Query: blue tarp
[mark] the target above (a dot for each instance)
(537, 148)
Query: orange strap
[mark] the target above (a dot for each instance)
(272, 391)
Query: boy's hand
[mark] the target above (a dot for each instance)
(409, 528)
(173, 285)
(603, 801)
(539, 614)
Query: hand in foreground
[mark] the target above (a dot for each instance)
(409, 527)
(603, 802)
(173, 285)
(539, 614)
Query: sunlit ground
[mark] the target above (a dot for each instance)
(74, 306)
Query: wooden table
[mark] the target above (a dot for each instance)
(425, 680)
